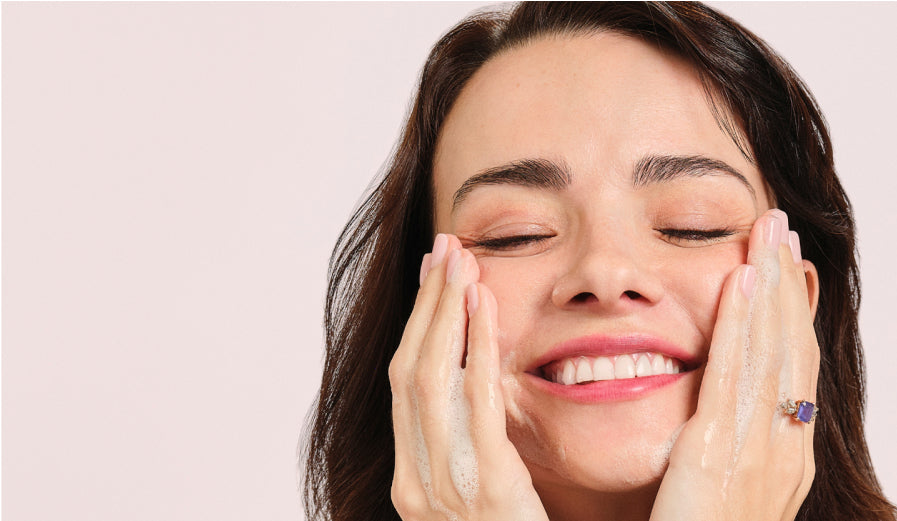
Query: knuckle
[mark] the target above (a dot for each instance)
(815, 355)
(809, 473)
(409, 505)
(398, 371)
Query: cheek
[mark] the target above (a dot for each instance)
(521, 287)
(698, 284)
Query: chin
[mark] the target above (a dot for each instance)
(612, 447)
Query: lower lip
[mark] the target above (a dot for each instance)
(607, 390)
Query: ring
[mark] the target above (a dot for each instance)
(800, 410)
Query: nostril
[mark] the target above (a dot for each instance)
(633, 295)
(583, 297)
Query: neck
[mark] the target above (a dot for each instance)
(564, 504)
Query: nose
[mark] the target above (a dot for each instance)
(607, 275)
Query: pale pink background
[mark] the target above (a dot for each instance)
(174, 176)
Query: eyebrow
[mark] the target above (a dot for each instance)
(653, 169)
(549, 175)
(530, 173)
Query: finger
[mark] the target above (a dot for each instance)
(408, 493)
(427, 299)
(758, 381)
(444, 332)
(408, 490)
(803, 365)
(714, 428)
(438, 383)
(402, 367)
(482, 377)
(799, 334)
(773, 436)
(719, 388)
(765, 354)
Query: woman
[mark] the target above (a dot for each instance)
(615, 316)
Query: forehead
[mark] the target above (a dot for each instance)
(596, 102)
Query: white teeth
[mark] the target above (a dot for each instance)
(657, 365)
(624, 367)
(568, 377)
(643, 366)
(584, 369)
(603, 368)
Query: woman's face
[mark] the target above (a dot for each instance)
(606, 208)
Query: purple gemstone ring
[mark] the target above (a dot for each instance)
(800, 410)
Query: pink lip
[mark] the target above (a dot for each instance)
(610, 390)
(606, 391)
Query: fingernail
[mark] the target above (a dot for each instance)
(783, 222)
(773, 232)
(440, 245)
(794, 242)
(473, 299)
(748, 278)
(452, 265)
(425, 268)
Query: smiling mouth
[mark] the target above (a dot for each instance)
(589, 369)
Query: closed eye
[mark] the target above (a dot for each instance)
(510, 242)
(700, 236)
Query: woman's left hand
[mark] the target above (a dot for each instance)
(740, 457)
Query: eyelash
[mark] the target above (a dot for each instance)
(696, 235)
(514, 241)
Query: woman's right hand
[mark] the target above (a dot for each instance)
(453, 459)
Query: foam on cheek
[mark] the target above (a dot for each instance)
(528, 505)
(660, 459)
(511, 389)
(523, 426)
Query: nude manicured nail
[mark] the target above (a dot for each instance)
(425, 267)
(440, 245)
(748, 279)
(794, 242)
(473, 299)
(772, 235)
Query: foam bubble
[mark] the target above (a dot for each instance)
(755, 356)
(462, 456)
(660, 459)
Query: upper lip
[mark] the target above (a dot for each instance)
(609, 345)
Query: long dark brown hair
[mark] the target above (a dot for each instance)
(757, 98)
